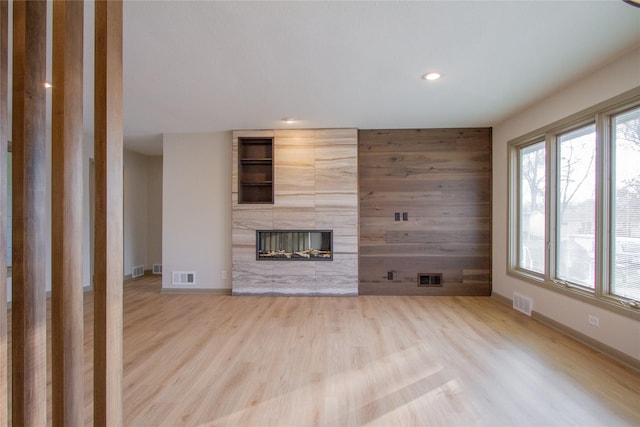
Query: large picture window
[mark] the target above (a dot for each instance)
(575, 204)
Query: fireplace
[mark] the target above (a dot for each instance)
(294, 245)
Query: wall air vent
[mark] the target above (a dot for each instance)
(430, 280)
(522, 303)
(157, 269)
(137, 271)
(184, 278)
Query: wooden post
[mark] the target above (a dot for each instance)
(4, 96)
(67, 338)
(108, 215)
(29, 329)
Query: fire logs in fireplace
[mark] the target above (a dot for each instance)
(295, 245)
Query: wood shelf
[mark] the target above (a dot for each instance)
(256, 161)
(257, 183)
(257, 141)
(255, 170)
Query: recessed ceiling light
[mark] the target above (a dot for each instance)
(47, 85)
(289, 120)
(431, 76)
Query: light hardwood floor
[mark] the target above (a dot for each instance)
(206, 360)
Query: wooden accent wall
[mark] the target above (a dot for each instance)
(442, 179)
(315, 187)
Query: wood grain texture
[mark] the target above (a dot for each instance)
(66, 214)
(108, 215)
(29, 379)
(210, 360)
(315, 175)
(442, 179)
(4, 135)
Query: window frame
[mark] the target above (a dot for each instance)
(601, 116)
(555, 197)
(515, 166)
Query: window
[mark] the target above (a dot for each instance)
(532, 207)
(576, 176)
(574, 215)
(625, 259)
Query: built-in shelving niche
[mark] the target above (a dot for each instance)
(255, 170)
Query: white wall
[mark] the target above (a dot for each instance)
(154, 211)
(142, 211)
(617, 331)
(135, 210)
(87, 164)
(196, 208)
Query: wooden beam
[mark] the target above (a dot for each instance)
(29, 338)
(4, 135)
(67, 338)
(108, 215)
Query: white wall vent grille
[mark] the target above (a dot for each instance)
(157, 269)
(184, 278)
(522, 303)
(137, 271)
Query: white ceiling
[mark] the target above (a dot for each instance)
(204, 66)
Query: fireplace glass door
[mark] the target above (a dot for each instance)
(294, 245)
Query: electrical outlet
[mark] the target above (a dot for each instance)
(223, 274)
(594, 321)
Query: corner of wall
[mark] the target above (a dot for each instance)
(610, 81)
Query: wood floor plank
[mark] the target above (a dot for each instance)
(212, 360)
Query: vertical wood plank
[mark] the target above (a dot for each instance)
(4, 96)
(108, 215)
(66, 216)
(29, 339)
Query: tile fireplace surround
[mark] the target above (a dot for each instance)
(315, 188)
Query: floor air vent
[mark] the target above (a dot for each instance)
(184, 278)
(157, 269)
(430, 280)
(137, 271)
(522, 304)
